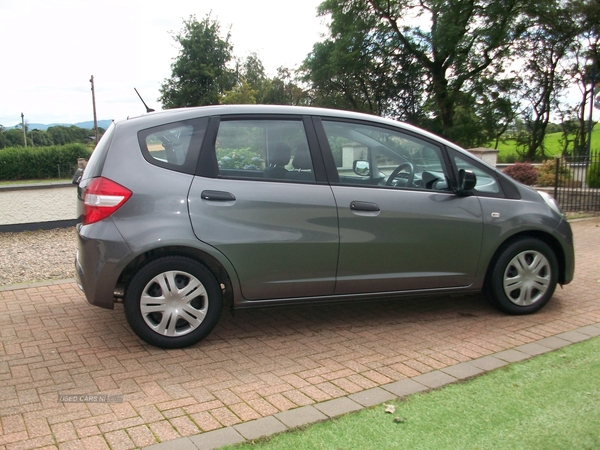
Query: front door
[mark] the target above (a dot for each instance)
(401, 226)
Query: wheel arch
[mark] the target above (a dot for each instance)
(547, 238)
(210, 262)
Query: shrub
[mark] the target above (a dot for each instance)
(547, 172)
(241, 158)
(32, 163)
(593, 176)
(522, 172)
(510, 158)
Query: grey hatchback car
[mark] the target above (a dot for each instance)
(271, 205)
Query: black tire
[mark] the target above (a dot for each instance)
(182, 318)
(523, 277)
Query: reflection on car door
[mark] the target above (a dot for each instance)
(396, 239)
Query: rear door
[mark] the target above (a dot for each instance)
(264, 203)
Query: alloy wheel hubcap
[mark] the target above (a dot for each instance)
(527, 278)
(174, 303)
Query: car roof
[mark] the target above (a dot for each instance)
(176, 114)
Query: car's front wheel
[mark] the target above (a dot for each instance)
(523, 277)
(173, 302)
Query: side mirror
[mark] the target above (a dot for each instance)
(466, 182)
(361, 168)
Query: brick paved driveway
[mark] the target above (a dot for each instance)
(253, 365)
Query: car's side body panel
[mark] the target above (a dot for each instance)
(417, 240)
(282, 238)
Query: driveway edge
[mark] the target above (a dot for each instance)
(318, 412)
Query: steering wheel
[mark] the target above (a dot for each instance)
(410, 172)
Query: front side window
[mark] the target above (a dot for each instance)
(266, 149)
(486, 181)
(377, 156)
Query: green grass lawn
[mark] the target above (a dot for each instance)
(48, 180)
(548, 402)
(552, 145)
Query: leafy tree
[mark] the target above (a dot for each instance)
(14, 137)
(586, 55)
(61, 135)
(426, 58)
(40, 138)
(283, 89)
(253, 73)
(241, 93)
(3, 139)
(250, 79)
(568, 127)
(358, 68)
(253, 86)
(549, 40)
(496, 106)
(200, 73)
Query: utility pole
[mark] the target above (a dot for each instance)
(94, 103)
(24, 132)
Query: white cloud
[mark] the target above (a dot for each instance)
(50, 48)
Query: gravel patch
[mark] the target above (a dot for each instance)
(33, 256)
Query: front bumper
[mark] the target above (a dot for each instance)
(565, 232)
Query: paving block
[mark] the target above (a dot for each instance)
(553, 342)
(434, 379)
(573, 336)
(534, 348)
(591, 330)
(462, 371)
(260, 427)
(177, 444)
(338, 406)
(512, 356)
(372, 397)
(217, 438)
(488, 363)
(403, 388)
(300, 416)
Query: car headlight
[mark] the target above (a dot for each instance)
(551, 203)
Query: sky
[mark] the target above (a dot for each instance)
(51, 48)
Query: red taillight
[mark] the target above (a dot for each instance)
(101, 198)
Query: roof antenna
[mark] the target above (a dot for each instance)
(148, 110)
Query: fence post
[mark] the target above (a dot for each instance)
(58, 165)
(556, 163)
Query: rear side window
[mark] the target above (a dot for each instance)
(264, 149)
(174, 146)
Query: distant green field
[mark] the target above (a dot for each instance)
(552, 145)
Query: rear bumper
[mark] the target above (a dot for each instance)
(101, 256)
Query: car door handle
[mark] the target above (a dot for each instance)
(217, 196)
(364, 206)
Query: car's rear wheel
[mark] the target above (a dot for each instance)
(523, 277)
(173, 302)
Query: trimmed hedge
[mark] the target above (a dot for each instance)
(36, 163)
